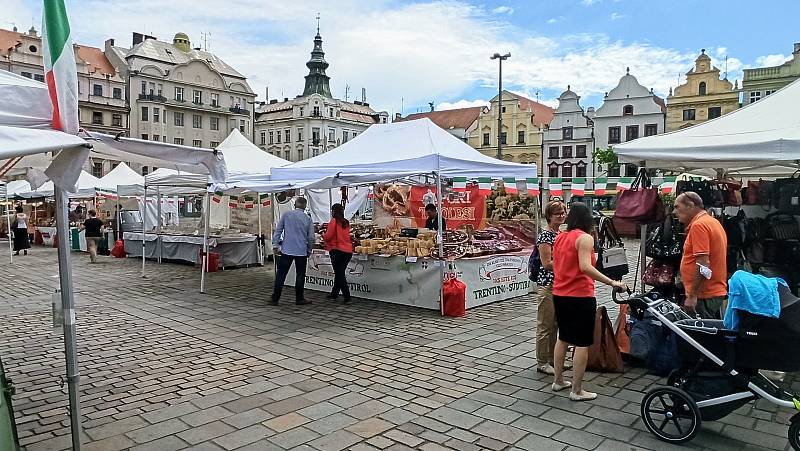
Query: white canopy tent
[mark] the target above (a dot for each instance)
(761, 139)
(120, 175)
(86, 187)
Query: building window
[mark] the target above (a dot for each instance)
(566, 170)
(566, 133)
(631, 132)
(702, 88)
(164, 139)
(768, 92)
(197, 143)
(755, 96)
(714, 112)
(145, 137)
(97, 90)
(144, 114)
(300, 134)
(614, 135)
(503, 136)
(156, 115)
(301, 111)
(580, 151)
(485, 139)
(566, 151)
(287, 135)
(345, 136)
(197, 97)
(178, 141)
(156, 138)
(164, 117)
(214, 144)
(160, 90)
(97, 118)
(270, 137)
(263, 138)
(152, 88)
(504, 109)
(117, 93)
(116, 120)
(144, 87)
(145, 171)
(650, 129)
(27, 74)
(521, 137)
(315, 137)
(553, 152)
(197, 121)
(299, 154)
(330, 110)
(552, 171)
(179, 94)
(580, 170)
(242, 126)
(38, 77)
(178, 119)
(213, 123)
(627, 110)
(354, 134)
(688, 114)
(97, 170)
(331, 136)
(316, 112)
(279, 136)
(214, 99)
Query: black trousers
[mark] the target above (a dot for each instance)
(284, 263)
(339, 261)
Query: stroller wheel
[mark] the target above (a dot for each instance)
(794, 432)
(671, 414)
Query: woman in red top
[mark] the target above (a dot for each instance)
(340, 247)
(574, 298)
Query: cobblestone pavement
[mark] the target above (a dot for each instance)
(165, 368)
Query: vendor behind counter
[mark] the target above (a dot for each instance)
(432, 222)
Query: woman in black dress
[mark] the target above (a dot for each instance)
(20, 230)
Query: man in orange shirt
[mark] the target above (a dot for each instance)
(704, 269)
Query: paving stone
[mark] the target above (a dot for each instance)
(115, 443)
(206, 416)
(370, 427)
(403, 437)
(291, 439)
(578, 438)
(170, 443)
(455, 417)
(285, 422)
(242, 437)
(500, 415)
(116, 428)
(205, 432)
(335, 441)
(533, 442)
(248, 418)
(158, 430)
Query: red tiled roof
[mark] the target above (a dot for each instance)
(542, 114)
(96, 60)
(447, 119)
(658, 100)
(9, 40)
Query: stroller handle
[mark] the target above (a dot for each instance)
(614, 292)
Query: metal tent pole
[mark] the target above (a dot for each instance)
(260, 246)
(158, 218)
(8, 218)
(439, 235)
(68, 307)
(204, 260)
(144, 228)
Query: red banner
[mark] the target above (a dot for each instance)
(458, 208)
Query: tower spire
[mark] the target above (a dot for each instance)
(317, 23)
(317, 82)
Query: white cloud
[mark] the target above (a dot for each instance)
(617, 16)
(503, 10)
(463, 103)
(590, 2)
(552, 20)
(771, 60)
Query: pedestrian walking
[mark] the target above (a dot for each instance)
(340, 248)
(94, 232)
(20, 230)
(555, 213)
(292, 242)
(574, 299)
(704, 269)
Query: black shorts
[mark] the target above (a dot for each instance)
(575, 318)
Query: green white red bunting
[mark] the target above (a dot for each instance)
(578, 187)
(249, 202)
(532, 186)
(217, 197)
(624, 183)
(510, 185)
(233, 202)
(600, 185)
(459, 183)
(264, 199)
(484, 186)
(669, 185)
(61, 75)
(555, 187)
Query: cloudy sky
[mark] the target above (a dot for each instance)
(406, 54)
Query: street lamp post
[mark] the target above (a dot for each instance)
(501, 58)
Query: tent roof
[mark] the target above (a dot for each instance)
(390, 151)
(86, 185)
(120, 175)
(762, 138)
(244, 157)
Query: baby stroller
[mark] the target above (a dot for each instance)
(719, 369)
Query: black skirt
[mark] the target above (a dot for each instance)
(575, 318)
(21, 239)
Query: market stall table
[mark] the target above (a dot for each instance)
(234, 250)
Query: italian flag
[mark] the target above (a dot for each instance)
(532, 186)
(233, 202)
(578, 187)
(249, 202)
(217, 197)
(264, 199)
(624, 183)
(669, 185)
(600, 185)
(510, 185)
(459, 184)
(554, 185)
(61, 74)
(484, 186)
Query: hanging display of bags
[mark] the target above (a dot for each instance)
(641, 203)
(611, 256)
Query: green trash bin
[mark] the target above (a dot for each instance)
(76, 239)
(8, 427)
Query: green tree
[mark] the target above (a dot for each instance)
(606, 156)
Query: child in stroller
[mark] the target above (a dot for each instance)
(720, 367)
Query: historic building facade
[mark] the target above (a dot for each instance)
(522, 120)
(763, 81)
(569, 141)
(459, 122)
(314, 122)
(629, 111)
(704, 96)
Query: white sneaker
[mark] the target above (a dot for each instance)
(582, 396)
(546, 369)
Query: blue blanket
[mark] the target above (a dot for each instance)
(752, 293)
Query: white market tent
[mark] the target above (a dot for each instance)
(761, 139)
(86, 187)
(244, 158)
(120, 175)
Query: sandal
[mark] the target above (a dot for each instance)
(559, 387)
(583, 396)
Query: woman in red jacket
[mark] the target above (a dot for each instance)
(340, 247)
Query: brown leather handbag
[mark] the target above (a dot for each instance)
(604, 355)
(641, 203)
